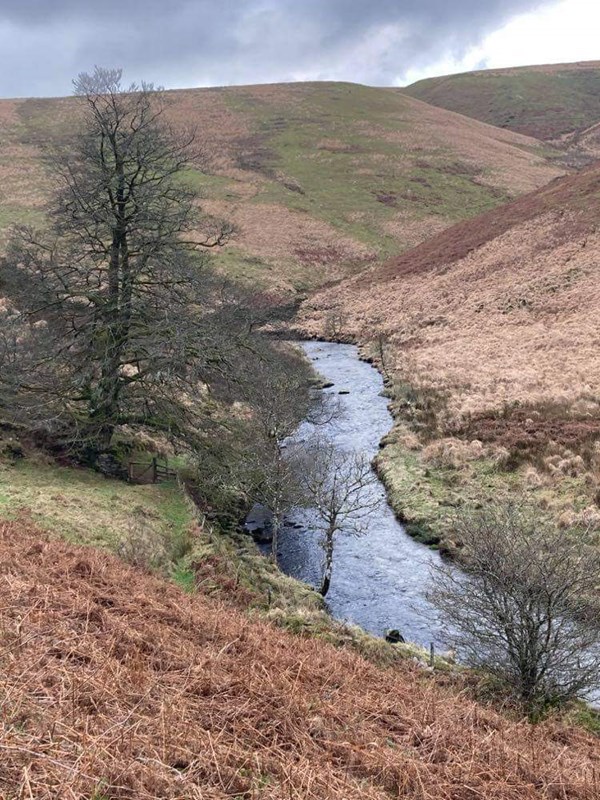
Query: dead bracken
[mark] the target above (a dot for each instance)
(115, 684)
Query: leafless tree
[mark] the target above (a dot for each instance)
(334, 326)
(255, 458)
(279, 400)
(380, 343)
(339, 486)
(523, 605)
(112, 296)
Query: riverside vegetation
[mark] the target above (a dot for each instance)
(121, 340)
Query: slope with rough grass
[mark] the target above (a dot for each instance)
(548, 101)
(321, 179)
(115, 684)
(159, 528)
(492, 330)
(86, 507)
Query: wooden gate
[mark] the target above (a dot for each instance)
(153, 472)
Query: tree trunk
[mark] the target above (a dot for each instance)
(117, 321)
(326, 581)
(276, 526)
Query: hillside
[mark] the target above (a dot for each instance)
(118, 685)
(547, 102)
(320, 179)
(492, 331)
(504, 282)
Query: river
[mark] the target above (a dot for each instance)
(379, 578)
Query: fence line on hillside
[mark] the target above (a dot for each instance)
(200, 515)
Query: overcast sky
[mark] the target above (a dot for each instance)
(181, 43)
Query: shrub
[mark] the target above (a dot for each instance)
(523, 607)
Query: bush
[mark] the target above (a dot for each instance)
(143, 547)
(523, 607)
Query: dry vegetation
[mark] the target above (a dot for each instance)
(500, 309)
(320, 179)
(493, 327)
(117, 685)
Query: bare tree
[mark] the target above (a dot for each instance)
(381, 348)
(523, 606)
(255, 459)
(111, 296)
(334, 326)
(279, 400)
(339, 486)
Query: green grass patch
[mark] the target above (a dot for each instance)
(543, 104)
(265, 273)
(324, 150)
(213, 187)
(87, 508)
(19, 215)
(585, 717)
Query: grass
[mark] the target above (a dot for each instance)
(425, 497)
(489, 326)
(542, 103)
(18, 215)
(84, 507)
(320, 179)
(156, 526)
(227, 565)
(342, 180)
(266, 273)
(427, 492)
(215, 187)
(585, 717)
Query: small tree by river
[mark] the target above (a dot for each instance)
(255, 459)
(525, 604)
(339, 486)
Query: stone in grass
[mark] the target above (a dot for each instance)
(259, 524)
(393, 636)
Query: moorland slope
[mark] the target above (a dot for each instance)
(502, 307)
(116, 684)
(492, 329)
(321, 179)
(548, 101)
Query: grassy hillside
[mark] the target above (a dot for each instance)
(321, 179)
(546, 101)
(118, 685)
(492, 337)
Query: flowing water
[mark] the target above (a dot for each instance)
(379, 578)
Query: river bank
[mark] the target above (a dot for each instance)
(379, 579)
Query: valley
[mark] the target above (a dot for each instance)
(446, 234)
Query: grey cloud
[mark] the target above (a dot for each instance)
(198, 42)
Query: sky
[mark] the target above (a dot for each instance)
(44, 44)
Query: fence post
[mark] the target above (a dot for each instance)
(431, 654)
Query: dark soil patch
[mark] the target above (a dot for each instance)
(387, 198)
